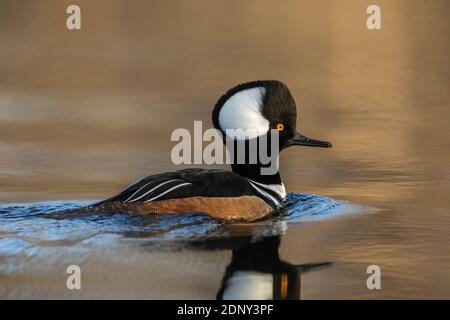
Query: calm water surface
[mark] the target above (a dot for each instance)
(82, 114)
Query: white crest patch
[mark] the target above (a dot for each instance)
(242, 113)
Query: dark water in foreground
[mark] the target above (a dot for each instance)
(35, 248)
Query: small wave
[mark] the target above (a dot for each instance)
(21, 220)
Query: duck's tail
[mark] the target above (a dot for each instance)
(77, 212)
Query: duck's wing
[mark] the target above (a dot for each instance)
(183, 184)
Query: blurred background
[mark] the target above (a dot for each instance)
(85, 112)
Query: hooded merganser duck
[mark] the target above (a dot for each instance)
(244, 193)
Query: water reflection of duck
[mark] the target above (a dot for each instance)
(260, 108)
(257, 272)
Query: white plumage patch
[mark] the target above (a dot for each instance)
(249, 285)
(263, 188)
(242, 114)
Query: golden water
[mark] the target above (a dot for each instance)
(83, 113)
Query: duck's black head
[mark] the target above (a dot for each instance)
(259, 106)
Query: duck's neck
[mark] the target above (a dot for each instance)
(253, 172)
(247, 163)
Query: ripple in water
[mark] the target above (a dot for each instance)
(34, 247)
(21, 221)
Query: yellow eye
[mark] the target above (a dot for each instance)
(280, 127)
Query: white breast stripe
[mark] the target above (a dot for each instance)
(173, 188)
(265, 194)
(277, 188)
(160, 185)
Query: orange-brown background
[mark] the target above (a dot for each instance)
(83, 113)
